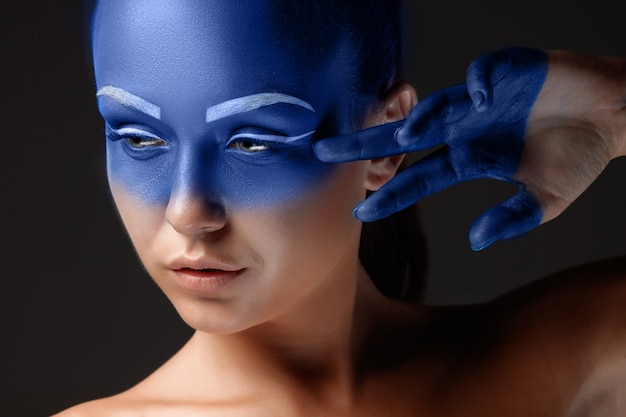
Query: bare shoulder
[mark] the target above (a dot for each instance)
(126, 404)
(586, 302)
(110, 406)
(560, 340)
(586, 295)
(583, 307)
(130, 403)
(574, 323)
(155, 396)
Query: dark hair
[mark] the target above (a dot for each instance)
(393, 250)
(394, 253)
(371, 27)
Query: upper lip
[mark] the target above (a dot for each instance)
(201, 263)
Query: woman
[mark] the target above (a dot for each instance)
(211, 111)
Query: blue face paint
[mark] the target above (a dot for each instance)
(202, 96)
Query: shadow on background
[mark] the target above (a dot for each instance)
(80, 318)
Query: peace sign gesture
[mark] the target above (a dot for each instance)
(549, 122)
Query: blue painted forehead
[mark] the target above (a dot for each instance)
(180, 61)
(191, 29)
(158, 48)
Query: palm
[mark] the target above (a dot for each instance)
(513, 120)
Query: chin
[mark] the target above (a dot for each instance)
(215, 316)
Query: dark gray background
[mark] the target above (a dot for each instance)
(80, 319)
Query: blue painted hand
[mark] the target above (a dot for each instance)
(480, 129)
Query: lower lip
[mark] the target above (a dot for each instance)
(208, 281)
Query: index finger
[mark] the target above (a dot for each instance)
(374, 142)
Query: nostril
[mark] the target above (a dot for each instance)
(189, 213)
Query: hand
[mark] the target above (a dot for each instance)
(540, 120)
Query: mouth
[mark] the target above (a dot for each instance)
(205, 280)
(202, 273)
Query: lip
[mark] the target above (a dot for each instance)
(202, 275)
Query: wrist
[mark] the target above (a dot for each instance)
(615, 72)
(621, 122)
(607, 77)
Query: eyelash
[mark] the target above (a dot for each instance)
(135, 138)
(249, 145)
(248, 142)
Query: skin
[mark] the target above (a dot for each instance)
(185, 192)
(301, 330)
(492, 126)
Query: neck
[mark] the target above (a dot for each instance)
(303, 358)
(316, 346)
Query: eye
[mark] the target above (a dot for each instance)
(255, 143)
(249, 145)
(139, 142)
(135, 138)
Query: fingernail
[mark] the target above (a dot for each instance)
(397, 132)
(484, 245)
(478, 98)
(364, 212)
(355, 212)
(401, 137)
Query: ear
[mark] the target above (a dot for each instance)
(399, 101)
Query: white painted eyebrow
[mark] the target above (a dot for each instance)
(252, 102)
(130, 100)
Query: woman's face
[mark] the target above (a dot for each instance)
(210, 118)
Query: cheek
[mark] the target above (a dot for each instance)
(147, 181)
(319, 224)
(268, 182)
(239, 181)
(142, 221)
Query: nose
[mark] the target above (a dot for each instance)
(190, 213)
(193, 207)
